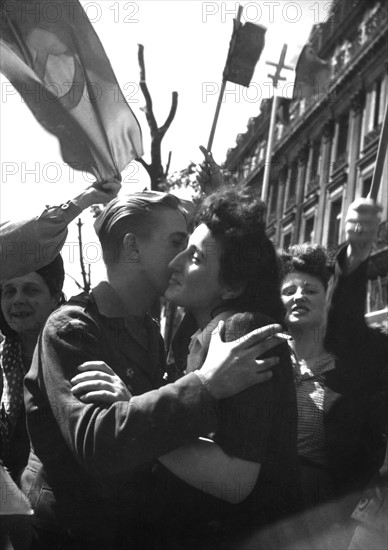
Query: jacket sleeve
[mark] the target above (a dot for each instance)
(28, 245)
(111, 439)
(347, 333)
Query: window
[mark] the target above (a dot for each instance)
(334, 222)
(274, 197)
(287, 240)
(374, 107)
(315, 162)
(308, 234)
(366, 184)
(342, 140)
(292, 181)
(377, 108)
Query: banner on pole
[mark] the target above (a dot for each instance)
(246, 46)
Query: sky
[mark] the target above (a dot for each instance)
(185, 45)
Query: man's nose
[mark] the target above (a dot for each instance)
(299, 294)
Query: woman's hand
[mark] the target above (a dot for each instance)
(98, 383)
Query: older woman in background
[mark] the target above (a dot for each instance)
(26, 303)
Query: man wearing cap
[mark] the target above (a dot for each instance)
(90, 464)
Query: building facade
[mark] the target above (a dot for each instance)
(325, 146)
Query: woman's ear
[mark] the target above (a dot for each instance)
(231, 292)
(130, 248)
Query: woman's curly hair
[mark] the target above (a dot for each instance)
(306, 258)
(236, 219)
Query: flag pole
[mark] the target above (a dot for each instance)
(216, 115)
(380, 158)
(223, 85)
(267, 167)
(275, 81)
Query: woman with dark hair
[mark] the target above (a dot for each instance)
(340, 443)
(216, 491)
(305, 278)
(26, 303)
(246, 474)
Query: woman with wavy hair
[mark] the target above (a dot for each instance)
(245, 475)
(340, 433)
(224, 486)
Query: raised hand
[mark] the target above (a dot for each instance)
(102, 192)
(361, 226)
(98, 193)
(209, 175)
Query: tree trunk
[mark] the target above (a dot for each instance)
(155, 169)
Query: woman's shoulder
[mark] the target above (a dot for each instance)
(241, 323)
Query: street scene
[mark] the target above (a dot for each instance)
(193, 275)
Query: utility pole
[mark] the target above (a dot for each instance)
(275, 81)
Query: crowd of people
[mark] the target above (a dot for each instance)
(268, 432)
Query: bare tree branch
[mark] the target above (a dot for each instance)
(140, 56)
(85, 279)
(144, 88)
(155, 168)
(143, 163)
(168, 165)
(174, 104)
(75, 280)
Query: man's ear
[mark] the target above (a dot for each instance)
(130, 248)
(231, 292)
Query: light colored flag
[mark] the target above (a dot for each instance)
(52, 55)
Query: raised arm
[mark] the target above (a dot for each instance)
(209, 175)
(361, 226)
(347, 333)
(30, 244)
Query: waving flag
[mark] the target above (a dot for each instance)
(245, 48)
(51, 54)
(312, 75)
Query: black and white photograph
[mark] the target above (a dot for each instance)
(193, 275)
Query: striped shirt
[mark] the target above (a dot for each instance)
(310, 394)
